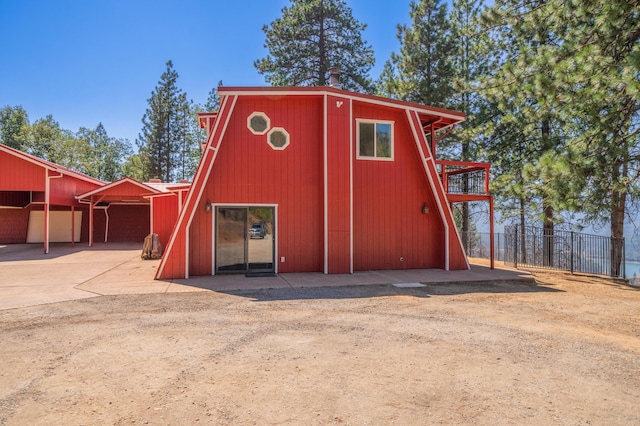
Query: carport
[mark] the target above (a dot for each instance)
(37, 200)
(125, 210)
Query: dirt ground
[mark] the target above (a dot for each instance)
(564, 351)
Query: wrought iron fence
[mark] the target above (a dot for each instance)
(477, 244)
(466, 182)
(564, 250)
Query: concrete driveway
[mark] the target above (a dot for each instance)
(29, 277)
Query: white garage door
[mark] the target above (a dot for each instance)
(59, 226)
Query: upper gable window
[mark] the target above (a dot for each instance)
(258, 123)
(375, 139)
(278, 138)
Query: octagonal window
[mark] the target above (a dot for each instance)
(278, 138)
(258, 123)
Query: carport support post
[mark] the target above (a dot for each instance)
(46, 228)
(73, 224)
(491, 232)
(91, 221)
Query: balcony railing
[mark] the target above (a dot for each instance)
(463, 178)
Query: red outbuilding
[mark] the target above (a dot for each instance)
(320, 179)
(37, 200)
(43, 202)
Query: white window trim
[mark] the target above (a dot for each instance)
(286, 134)
(258, 114)
(374, 158)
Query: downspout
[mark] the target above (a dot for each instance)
(106, 225)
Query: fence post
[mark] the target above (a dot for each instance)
(571, 253)
(624, 264)
(515, 245)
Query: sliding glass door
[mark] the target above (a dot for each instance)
(244, 239)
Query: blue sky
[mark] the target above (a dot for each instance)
(88, 61)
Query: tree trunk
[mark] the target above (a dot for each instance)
(523, 240)
(323, 66)
(618, 208)
(547, 209)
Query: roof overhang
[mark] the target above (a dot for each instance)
(125, 190)
(440, 117)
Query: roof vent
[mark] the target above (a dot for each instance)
(155, 180)
(334, 77)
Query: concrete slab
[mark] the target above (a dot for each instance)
(29, 277)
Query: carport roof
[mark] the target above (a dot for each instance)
(125, 190)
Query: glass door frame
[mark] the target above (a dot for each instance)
(214, 239)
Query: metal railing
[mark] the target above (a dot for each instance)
(466, 183)
(477, 244)
(564, 250)
(464, 177)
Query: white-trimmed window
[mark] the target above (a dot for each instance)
(375, 139)
(278, 138)
(258, 123)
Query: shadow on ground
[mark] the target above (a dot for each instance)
(386, 290)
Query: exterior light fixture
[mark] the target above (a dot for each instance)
(425, 208)
(207, 207)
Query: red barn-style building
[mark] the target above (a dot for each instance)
(302, 179)
(43, 202)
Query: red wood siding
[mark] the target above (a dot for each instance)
(390, 230)
(174, 260)
(13, 226)
(457, 257)
(64, 190)
(15, 198)
(127, 223)
(248, 171)
(339, 185)
(165, 215)
(17, 174)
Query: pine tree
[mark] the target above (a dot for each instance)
(472, 58)
(163, 138)
(309, 38)
(424, 64)
(213, 100)
(570, 86)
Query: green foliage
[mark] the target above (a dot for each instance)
(14, 126)
(309, 38)
(424, 64)
(575, 66)
(106, 155)
(164, 141)
(213, 100)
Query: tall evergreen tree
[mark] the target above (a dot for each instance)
(14, 127)
(309, 38)
(424, 64)
(164, 134)
(472, 57)
(571, 86)
(213, 100)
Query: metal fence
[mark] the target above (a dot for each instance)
(466, 183)
(477, 244)
(564, 250)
